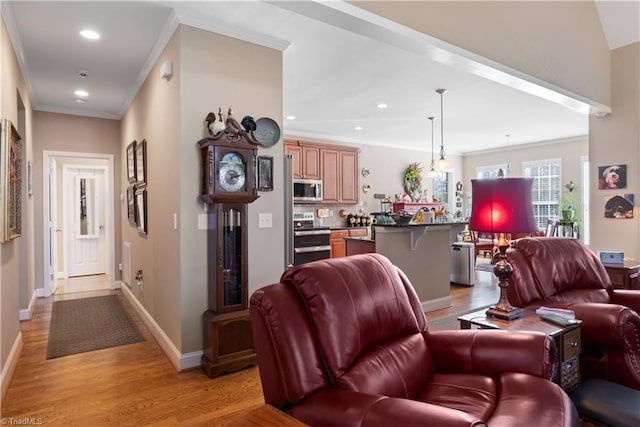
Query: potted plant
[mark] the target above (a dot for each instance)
(570, 203)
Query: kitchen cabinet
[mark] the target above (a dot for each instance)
(338, 246)
(337, 242)
(306, 159)
(339, 175)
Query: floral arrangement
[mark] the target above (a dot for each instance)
(412, 173)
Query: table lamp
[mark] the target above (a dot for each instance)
(502, 206)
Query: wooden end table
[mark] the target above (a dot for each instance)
(625, 275)
(567, 339)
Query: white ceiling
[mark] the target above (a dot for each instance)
(333, 77)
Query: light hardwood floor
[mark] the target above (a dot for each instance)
(136, 385)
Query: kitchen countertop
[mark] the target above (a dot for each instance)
(421, 225)
(344, 227)
(363, 238)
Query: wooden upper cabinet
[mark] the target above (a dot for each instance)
(339, 175)
(329, 160)
(306, 159)
(348, 177)
(336, 166)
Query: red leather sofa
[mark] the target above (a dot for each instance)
(344, 342)
(564, 273)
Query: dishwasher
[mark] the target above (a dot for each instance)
(462, 263)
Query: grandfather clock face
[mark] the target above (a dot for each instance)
(232, 172)
(228, 172)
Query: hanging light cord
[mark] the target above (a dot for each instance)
(442, 153)
(432, 162)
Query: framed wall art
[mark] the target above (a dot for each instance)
(131, 204)
(141, 162)
(141, 210)
(265, 173)
(612, 177)
(11, 153)
(619, 206)
(131, 162)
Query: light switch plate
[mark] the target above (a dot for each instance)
(202, 221)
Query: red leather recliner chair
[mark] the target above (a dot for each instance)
(344, 342)
(564, 273)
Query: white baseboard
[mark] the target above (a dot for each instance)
(27, 313)
(436, 304)
(180, 361)
(10, 366)
(117, 284)
(41, 292)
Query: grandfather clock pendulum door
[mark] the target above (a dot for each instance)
(228, 185)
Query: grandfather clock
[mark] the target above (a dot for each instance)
(228, 185)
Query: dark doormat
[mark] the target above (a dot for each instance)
(88, 324)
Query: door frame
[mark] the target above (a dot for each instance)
(109, 213)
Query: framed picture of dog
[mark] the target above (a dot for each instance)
(619, 206)
(612, 177)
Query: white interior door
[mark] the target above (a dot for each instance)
(84, 221)
(52, 230)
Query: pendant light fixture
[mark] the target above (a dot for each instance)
(432, 172)
(442, 162)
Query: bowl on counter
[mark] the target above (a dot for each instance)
(401, 219)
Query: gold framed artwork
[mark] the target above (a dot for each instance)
(11, 152)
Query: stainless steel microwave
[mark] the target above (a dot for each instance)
(307, 191)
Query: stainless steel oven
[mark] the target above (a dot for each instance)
(310, 243)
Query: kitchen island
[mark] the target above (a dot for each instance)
(422, 252)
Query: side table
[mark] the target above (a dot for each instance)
(625, 275)
(567, 339)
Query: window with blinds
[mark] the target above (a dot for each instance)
(547, 188)
(441, 187)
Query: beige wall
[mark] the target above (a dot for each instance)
(154, 115)
(559, 42)
(65, 133)
(210, 71)
(220, 71)
(615, 139)
(16, 256)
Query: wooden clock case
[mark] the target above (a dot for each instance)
(228, 342)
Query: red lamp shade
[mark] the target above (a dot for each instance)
(502, 206)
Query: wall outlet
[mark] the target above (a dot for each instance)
(265, 220)
(120, 266)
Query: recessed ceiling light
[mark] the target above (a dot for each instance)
(80, 101)
(81, 92)
(90, 34)
(382, 105)
(291, 117)
(358, 128)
